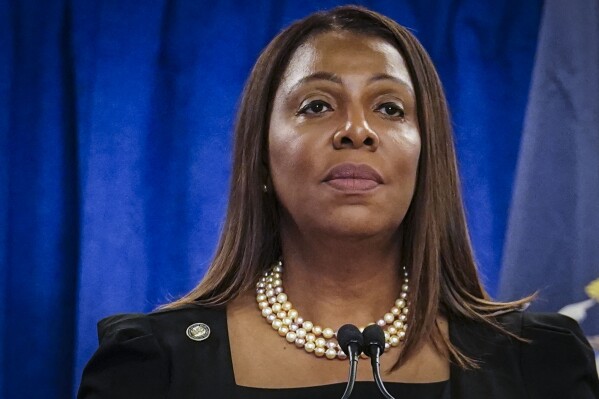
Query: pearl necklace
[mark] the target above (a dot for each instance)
(280, 314)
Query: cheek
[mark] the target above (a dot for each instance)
(414, 148)
(296, 150)
(289, 156)
(285, 151)
(407, 146)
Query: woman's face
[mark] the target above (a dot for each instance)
(343, 137)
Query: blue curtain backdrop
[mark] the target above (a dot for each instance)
(115, 134)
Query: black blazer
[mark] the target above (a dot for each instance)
(151, 357)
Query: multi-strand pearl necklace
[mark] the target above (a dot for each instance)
(280, 314)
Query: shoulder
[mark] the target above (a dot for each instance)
(530, 325)
(547, 334)
(523, 322)
(557, 357)
(552, 358)
(137, 352)
(160, 323)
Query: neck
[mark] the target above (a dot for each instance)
(333, 281)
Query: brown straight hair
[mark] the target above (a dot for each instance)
(435, 244)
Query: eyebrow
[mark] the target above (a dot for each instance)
(384, 76)
(331, 77)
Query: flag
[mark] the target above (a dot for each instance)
(552, 238)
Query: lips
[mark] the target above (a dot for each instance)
(353, 177)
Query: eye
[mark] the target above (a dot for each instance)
(391, 109)
(315, 107)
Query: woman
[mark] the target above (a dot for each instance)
(344, 208)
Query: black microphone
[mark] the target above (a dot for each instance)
(351, 342)
(374, 346)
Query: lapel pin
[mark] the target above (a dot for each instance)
(198, 331)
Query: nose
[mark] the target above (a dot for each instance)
(355, 134)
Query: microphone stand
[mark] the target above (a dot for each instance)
(376, 372)
(374, 345)
(353, 368)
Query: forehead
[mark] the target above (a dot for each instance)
(345, 54)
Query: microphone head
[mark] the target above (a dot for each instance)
(374, 337)
(349, 334)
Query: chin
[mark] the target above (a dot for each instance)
(359, 227)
